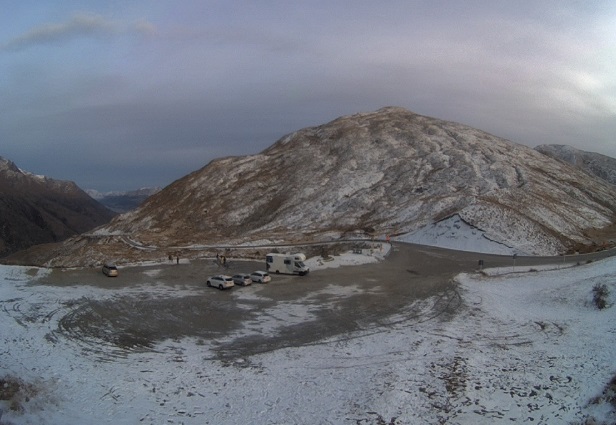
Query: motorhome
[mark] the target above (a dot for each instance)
(286, 263)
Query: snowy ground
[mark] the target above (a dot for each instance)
(369, 255)
(524, 348)
(454, 233)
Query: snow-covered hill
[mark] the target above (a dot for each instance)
(593, 163)
(389, 172)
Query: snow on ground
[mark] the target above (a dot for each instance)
(523, 348)
(364, 256)
(454, 233)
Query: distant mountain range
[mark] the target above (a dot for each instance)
(122, 202)
(36, 209)
(389, 172)
(593, 163)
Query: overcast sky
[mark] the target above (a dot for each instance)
(117, 95)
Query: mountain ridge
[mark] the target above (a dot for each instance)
(36, 209)
(593, 163)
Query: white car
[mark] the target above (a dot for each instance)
(220, 282)
(242, 279)
(261, 277)
(110, 270)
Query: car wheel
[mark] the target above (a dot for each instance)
(220, 287)
(208, 283)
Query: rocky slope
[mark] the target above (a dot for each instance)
(36, 209)
(593, 163)
(369, 174)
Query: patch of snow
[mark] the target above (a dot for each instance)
(455, 233)
(104, 231)
(34, 176)
(366, 256)
(260, 242)
(153, 272)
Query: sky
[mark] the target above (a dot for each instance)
(117, 95)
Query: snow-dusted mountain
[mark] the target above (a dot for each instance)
(125, 201)
(37, 209)
(370, 174)
(594, 163)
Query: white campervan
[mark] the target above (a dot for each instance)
(286, 263)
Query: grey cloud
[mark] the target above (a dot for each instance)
(144, 27)
(80, 25)
(206, 88)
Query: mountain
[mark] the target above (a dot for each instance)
(369, 174)
(122, 202)
(593, 163)
(37, 209)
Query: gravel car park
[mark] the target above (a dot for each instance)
(371, 294)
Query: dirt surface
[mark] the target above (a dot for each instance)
(412, 284)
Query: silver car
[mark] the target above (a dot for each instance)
(220, 282)
(110, 270)
(261, 277)
(242, 279)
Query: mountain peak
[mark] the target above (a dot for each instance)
(367, 175)
(8, 166)
(388, 171)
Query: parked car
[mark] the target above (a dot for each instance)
(242, 279)
(261, 277)
(110, 270)
(220, 281)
